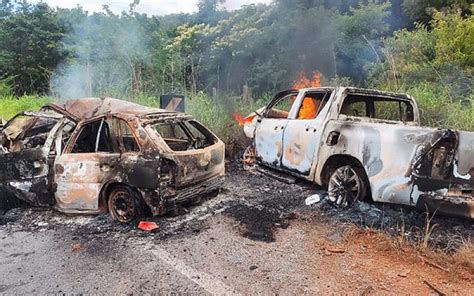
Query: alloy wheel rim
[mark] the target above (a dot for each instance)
(344, 186)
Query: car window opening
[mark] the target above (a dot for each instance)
(281, 108)
(310, 107)
(94, 137)
(183, 136)
(312, 104)
(125, 138)
(375, 107)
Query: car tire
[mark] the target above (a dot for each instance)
(124, 205)
(346, 185)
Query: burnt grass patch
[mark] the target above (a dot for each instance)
(262, 204)
(449, 234)
(257, 223)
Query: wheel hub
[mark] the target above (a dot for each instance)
(124, 206)
(344, 186)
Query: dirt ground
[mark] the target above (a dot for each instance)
(257, 236)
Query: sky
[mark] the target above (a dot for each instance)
(151, 7)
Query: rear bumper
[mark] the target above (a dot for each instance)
(460, 206)
(190, 193)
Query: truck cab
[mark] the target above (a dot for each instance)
(361, 143)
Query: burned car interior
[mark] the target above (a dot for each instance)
(104, 135)
(102, 154)
(311, 105)
(27, 131)
(183, 136)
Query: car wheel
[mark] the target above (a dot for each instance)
(124, 205)
(346, 185)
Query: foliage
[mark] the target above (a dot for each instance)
(421, 11)
(441, 57)
(438, 110)
(71, 53)
(29, 45)
(361, 31)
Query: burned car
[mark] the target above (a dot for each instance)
(93, 155)
(362, 143)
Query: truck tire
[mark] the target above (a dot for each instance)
(346, 185)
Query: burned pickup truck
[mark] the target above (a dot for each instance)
(365, 144)
(91, 155)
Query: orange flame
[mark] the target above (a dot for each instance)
(243, 120)
(304, 82)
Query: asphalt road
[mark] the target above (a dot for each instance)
(257, 236)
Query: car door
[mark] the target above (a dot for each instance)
(270, 128)
(88, 159)
(302, 133)
(24, 169)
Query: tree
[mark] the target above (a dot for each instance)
(208, 13)
(422, 10)
(440, 56)
(30, 46)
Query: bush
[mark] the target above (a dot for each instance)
(438, 110)
(216, 114)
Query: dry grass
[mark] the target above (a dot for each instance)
(461, 261)
(427, 230)
(464, 257)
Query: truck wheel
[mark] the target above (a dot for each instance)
(346, 185)
(124, 205)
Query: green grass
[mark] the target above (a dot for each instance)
(439, 111)
(216, 114)
(9, 105)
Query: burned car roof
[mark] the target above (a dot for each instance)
(87, 108)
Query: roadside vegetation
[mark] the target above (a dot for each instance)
(411, 46)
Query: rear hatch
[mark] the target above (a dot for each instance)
(191, 153)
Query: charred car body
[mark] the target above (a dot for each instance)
(92, 155)
(365, 143)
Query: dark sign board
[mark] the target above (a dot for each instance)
(172, 103)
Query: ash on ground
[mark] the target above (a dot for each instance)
(260, 206)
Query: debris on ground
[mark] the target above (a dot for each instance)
(259, 215)
(436, 290)
(336, 250)
(315, 198)
(147, 226)
(76, 247)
